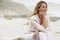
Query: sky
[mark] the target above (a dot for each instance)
(33, 2)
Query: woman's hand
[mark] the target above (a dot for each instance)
(36, 34)
(42, 14)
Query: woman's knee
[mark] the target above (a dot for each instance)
(28, 37)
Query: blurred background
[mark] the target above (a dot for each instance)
(14, 16)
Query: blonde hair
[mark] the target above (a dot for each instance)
(36, 11)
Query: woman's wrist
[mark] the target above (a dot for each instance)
(36, 31)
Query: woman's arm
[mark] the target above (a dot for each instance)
(36, 34)
(37, 25)
(44, 22)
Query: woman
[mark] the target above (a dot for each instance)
(39, 23)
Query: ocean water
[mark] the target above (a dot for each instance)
(10, 29)
(15, 28)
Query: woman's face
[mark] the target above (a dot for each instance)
(43, 8)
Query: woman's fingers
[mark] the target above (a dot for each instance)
(35, 36)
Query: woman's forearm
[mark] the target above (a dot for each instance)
(44, 23)
(37, 26)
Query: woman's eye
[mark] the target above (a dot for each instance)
(44, 7)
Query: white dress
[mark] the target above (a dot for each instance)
(34, 24)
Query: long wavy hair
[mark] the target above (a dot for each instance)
(38, 5)
(36, 11)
